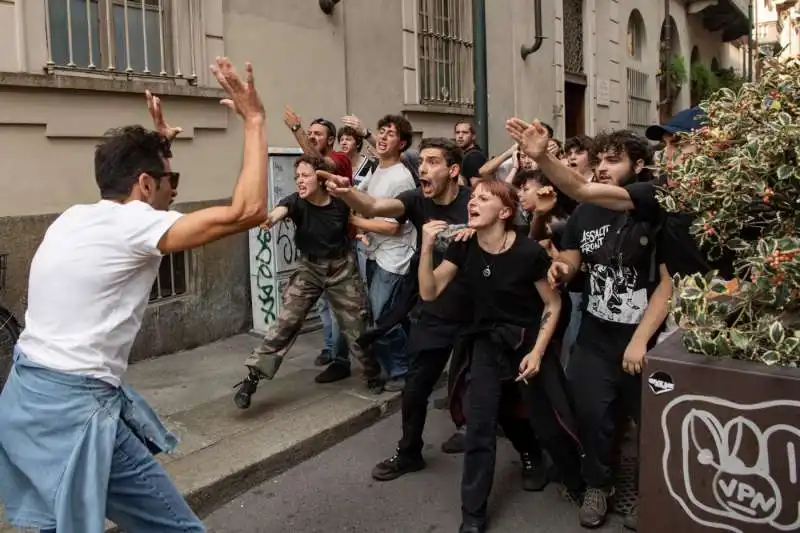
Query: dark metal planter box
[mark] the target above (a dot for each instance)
(720, 445)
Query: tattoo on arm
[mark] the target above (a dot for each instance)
(545, 319)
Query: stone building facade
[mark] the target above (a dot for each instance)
(71, 69)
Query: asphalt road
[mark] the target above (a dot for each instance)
(334, 492)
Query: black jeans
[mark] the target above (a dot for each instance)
(490, 400)
(601, 391)
(424, 370)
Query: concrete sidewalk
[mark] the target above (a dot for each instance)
(223, 450)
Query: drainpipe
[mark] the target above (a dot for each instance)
(538, 38)
(750, 40)
(667, 45)
(479, 66)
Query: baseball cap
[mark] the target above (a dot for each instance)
(683, 122)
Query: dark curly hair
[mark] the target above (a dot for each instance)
(564, 204)
(351, 132)
(123, 155)
(626, 142)
(404, 129)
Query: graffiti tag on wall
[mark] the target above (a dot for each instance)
(265, 278)
(734, 466)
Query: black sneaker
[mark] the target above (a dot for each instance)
(632, 518)
(247, 387)
(594, 508)
(534, 475)
(396, 466)
(334, 372)
(325, 357)
(455, 444)
(472, 527)
(375, 386)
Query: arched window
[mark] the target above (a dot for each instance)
(635, 38)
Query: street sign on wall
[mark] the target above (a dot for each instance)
(273, 254)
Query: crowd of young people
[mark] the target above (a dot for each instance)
(538, 275)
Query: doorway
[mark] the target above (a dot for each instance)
(574, 109)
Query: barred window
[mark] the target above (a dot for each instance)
(444, 38)
(573, 36)
(173, 277)
(638, 101)
(135, 37)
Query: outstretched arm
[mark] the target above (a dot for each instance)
(359, 201)
(248, 204)
(275, 216)
(533, 141)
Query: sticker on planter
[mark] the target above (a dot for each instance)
(731, 466)
(660, 382)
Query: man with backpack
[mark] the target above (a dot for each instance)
(626, 295)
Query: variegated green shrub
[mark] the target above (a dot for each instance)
(744, 182)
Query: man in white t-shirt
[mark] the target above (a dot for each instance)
(76, 445)
(391, 245)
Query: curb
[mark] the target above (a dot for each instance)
(211, 497)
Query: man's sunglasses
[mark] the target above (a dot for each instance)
(174, 177)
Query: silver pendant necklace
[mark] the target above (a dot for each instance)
(487, 270)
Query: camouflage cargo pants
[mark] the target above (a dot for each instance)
(340, 280)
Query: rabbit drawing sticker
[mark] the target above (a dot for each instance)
(734, 467)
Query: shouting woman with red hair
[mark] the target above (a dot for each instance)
(516, 313)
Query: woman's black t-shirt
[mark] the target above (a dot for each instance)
(508, 295)
(320, 230)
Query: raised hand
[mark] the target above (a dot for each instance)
(431, 230)
(545, 200)
(290, 118)
(336, 185)
(157, 114)
(242, 95)
(532, 138)
(354, 122)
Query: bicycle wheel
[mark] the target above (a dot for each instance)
(9, 333)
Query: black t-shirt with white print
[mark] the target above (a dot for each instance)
(615, 296)
(320, 230)
(508, 295)
(454, 304)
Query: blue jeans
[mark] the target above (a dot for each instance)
(391, 350)
(334, 341)
(87, 463)
(141, 497)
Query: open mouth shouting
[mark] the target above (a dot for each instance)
(474, 215)
(426, 186)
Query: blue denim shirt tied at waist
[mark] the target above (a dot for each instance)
(57, 437)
